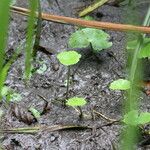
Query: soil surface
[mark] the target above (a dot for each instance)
(90, 79)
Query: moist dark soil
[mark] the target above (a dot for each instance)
(90, 79)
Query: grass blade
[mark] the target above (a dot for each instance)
(30, 38)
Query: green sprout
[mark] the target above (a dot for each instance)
(68, 58)
(77, 102)
(120, 84)
(98, 39)
(10, 95)
(35, 112)
(136, 119)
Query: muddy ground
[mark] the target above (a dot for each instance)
(91, 80)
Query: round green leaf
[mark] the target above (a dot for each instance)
(131, 118)
(144, 118)
(76, 101)
(120, 84)
(82, 38)
(78, 40)
(68, 58)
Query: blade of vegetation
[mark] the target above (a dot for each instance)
(92, 7)
(130, 134)
(44, 128)
(5, 69)
(4, 17)
(30, 38)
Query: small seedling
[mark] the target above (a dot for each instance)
(120, 84)
(10, 95)
(145, 50)
(77, 102)
(134, 118)
(68, 58)
(85, 37)
(42, 69)
(35, 112)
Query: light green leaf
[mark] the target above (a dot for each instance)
(42, 69)
(82, 38)
(5, 91)
(68, 58)
(145, 50)
(131, 118)
(120, 84)
(144, 118)
(76, 101)
(132, 44)
(13, 2)
(35, 112)
(15, 97)
(88, 18)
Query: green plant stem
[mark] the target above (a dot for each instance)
(68, 80)
(130, 135)
(81, 113)
(135, 59)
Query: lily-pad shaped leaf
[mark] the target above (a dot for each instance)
(76, 101)
(144, 118)
(84, 37)
(120, 84)
(68, 58)
(131, 118)
(145, 50)
(35, 112)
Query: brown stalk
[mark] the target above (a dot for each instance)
(84, 23)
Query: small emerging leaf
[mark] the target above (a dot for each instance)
(15, 97)
(5, 91)
(76, 101)
(88, 18)
(68, 58)
(131, 118)
(120, 84)
(42, 69)
(35, 112)
(13, 2)
(144, 118)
